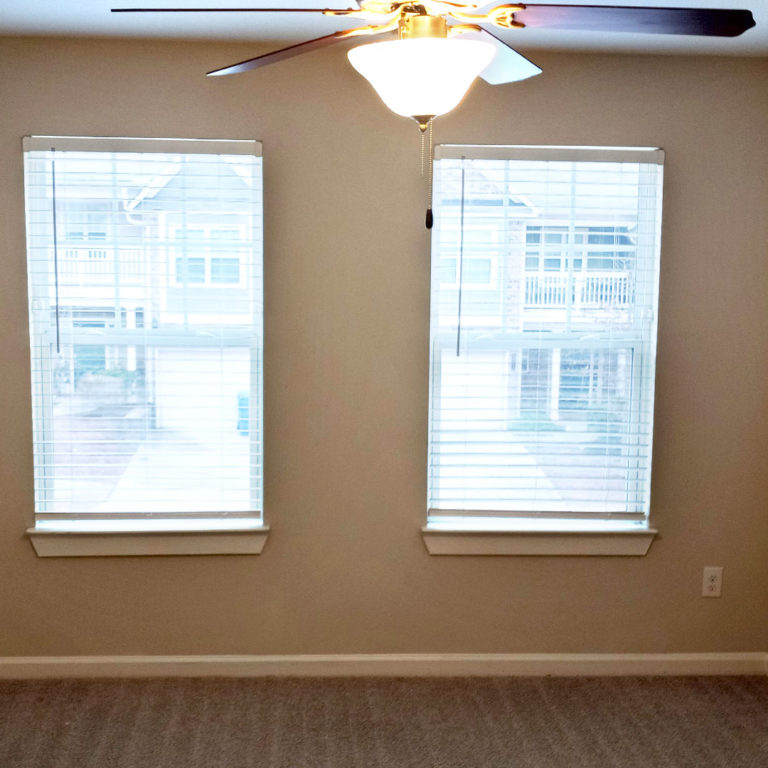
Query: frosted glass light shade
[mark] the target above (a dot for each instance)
(422, 76)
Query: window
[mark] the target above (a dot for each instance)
(145, 287)
(479, 264)
(209, 255)
(190, 269)
(541, 382)
(225, 270)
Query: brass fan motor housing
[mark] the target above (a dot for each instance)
(413, 25)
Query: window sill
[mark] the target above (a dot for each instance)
(101, 543)
(628, 542)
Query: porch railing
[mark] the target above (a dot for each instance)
(582, 290)
(100, 265)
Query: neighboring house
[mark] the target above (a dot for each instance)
(196, 268)
(542, 336)
(524, 272)
(152, 299)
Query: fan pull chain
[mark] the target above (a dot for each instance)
(422, 153)
(461, 261)
(55, 249)
(427, 127)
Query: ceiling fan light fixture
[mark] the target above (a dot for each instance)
(422, 77)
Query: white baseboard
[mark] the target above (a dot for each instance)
(387, 665)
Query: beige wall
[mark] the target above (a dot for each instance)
(347, 271)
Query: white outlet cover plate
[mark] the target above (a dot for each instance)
(712, 581)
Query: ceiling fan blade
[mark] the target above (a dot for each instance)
(279, 55)
(717, 22)
(229, 10)
(507, 66)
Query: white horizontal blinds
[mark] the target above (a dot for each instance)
(146, 326)
(544, 299)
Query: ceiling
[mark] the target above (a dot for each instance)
(88, 18)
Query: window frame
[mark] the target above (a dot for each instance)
(529, 533)
(154, 533)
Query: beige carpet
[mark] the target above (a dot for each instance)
(701, 722)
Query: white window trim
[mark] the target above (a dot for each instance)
(542, 152)
(120, 144)
(78, 543)
(607, 542)
(533, 536)
(217, 536)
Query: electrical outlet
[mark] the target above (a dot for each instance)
(712, 583)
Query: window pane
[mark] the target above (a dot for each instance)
(542, 384)
(225, 270)
(190, 270)
(146, 350)
(477, 271)
(448, 270)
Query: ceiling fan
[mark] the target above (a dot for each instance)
(442, 47)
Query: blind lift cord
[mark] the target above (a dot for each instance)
(55, 248)
(461, 260)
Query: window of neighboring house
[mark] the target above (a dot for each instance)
(190, 269)
(209, 255)
(542, 381)
(225, 270)
(479, 264)
(86, 220)
(146, 391)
